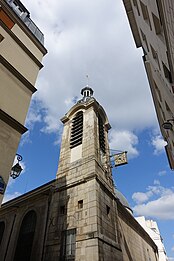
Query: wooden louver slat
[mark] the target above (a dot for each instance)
(77, 130)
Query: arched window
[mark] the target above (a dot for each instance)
(2, 227)
(77, 130)
(25, 238)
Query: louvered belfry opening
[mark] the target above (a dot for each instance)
(77, 130)
(101, 134)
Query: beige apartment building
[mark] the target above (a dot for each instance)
(21, 52)
(152, 25)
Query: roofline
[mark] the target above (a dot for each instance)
(132, 22)
(30, 194)
(16, 19)
(85, 105)
(127, 217)
(12, 122)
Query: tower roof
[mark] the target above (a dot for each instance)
(87, 88)
(122, 199)
(87, 93)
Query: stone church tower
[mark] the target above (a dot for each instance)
(87, 207)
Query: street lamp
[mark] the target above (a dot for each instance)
(168, 125)
(16, 169)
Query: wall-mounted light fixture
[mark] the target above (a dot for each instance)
(16, 169)
(167, 125)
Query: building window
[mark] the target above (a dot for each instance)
(80, 204)
(69, 245)
(167, 73)
(1, 38)
(136, 5)
(145, 13)
(25, 238)
(101, 135)
(2, 228)
(77, 130)
(6, 19)
(167, 107)
(157, 24)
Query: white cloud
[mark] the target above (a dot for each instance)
(124, 141)
(158, 143)
(162, 173)
(170, 258)
(160, 207)
(140, 197)
(8, 196)
(91, 42)
(156, 182)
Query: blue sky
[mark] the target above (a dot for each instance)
(94, 38)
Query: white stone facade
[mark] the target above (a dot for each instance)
(152, 229)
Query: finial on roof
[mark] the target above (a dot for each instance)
(87, 91)
(87, 77)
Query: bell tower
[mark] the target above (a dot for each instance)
(85, 141)
(87, 211)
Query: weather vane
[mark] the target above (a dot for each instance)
(87, 77)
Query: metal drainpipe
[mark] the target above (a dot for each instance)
(46, 225)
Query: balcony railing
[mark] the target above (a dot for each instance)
(24, 15)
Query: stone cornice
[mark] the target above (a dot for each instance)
(16, 39)
(12, 122)
(20, 23)
(17, 74)
(44, 189)
(85, 105)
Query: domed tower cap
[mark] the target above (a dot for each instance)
(123, 200)
(87, 91)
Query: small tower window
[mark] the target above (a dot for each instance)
(77, 130)
(107, 210)
(101, 135)
(80, 204)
